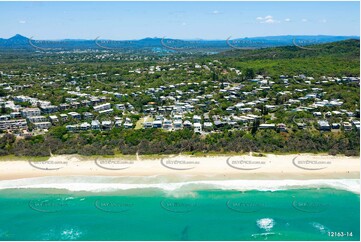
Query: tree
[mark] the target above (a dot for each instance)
(255, 126)
(58, 132)
(249, 73)
(2, 92)
(3, 109)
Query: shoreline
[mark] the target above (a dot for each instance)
(185, 167)
(124, 185)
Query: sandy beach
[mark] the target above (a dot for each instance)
(268, 167)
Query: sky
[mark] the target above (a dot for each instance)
(184, 20)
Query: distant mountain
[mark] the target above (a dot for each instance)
(18, 42)
(19, 38)
(350, 49)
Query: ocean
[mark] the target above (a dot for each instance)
(186, 211)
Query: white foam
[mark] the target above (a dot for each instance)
(264, 235)
(104, 184)
(71, 234)
(265, 223)
(323, 229)
(66, 233)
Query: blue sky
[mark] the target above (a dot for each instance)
(186, 20)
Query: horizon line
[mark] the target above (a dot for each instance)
(190, 39)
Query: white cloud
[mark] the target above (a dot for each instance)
(267, 20)
(323, 21)
(184, 24)
(287, 20)
(270, 21)
(215, 12)
(304, 20)
(22, 22)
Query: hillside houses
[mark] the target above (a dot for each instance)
(193, 99)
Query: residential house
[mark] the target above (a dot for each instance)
(335, 126)
(84, 126)
(28, 112)
(63, 117)
(37, 119)
(118, 123)
(95, 125)
(178, 124)
(64, 106)
(317, 114)
(187, 124)
(167, 124)
(147, 125)
(208, 126)
(197, 128)
(356, 123)
(88, 115)
(267, 126)
(128, 125)
(5, 117)
(17, 124)
(347, 126)
(157, 124)
(15, 115)
(49, 109)
(101, 107)
(42, 125)
(71, 128)
(197, 119)
(74, 115)
(120, 107)
(53, 119)
(282, 127)
(106, 125)
(323, 125)
(107, 111)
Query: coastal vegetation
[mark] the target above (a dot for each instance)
(153, 141)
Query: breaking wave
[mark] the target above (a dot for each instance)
(108, 184)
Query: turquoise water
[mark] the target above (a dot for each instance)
(151, 214)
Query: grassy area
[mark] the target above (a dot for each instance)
(155, 156)
(15, 158)
(260, 154)
(140, 122)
